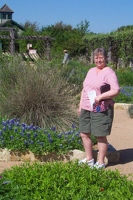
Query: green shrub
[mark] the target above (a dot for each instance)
(122, 98)
(126, 95)
(75, 73)
(63, 181)
(125, 78)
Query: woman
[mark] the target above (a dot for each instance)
(97, 109)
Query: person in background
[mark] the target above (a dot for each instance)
(66, 58)
(96, 109)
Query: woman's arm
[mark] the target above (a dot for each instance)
(107, 95)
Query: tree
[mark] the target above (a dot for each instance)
(82, 27)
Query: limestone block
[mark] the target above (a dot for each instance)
(15, 156)
(53, 156)
(20, 156)
(29, 156)
(4, 155)
(76, 155)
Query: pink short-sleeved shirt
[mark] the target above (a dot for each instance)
(94, 80)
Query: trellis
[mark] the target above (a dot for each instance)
(12, 37)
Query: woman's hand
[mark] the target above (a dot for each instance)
(98, 99)
(79, 111)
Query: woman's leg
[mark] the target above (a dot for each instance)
(87, 143)
(102, 147)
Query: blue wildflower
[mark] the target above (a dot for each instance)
(45, 131)
(23, 130)
(72, 138)
(4, 128)
(79, 141)
(17, 123)
(21, 133)
(7, 121)
(23, 125)
(28, 135)
(73, 126)
(11, 121)
(59, 135)
(50, 140)
(77, 134)
(31, 142)
(49, 135)
(4, 123)
(15, 130)
(41, 143)
(26, 143)
(35, 135)
(31, 127)
(53, 128)
(9, 127)
(11, 137)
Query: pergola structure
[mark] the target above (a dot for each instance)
(12, 37)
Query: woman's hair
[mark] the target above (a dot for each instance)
(100, 51)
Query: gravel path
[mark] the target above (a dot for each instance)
(121, 139)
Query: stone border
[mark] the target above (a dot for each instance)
(6, 155)
(124, 106)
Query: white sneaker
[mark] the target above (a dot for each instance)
(89, 162)
(99, 166)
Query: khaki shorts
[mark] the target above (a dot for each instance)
(98, 124)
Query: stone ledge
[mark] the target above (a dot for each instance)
(112, 156)
(123, 106)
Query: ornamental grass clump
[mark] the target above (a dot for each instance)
(36, 94)
(63, 181)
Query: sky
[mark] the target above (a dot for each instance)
(103, 16)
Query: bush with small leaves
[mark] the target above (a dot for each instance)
(58, 180)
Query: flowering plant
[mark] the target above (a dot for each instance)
(20, 136)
